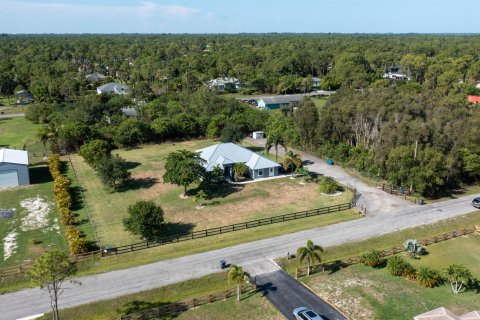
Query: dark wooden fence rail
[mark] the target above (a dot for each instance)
(337, 264)
(181, 306)
(230, 228)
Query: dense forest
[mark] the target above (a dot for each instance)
(420, 134)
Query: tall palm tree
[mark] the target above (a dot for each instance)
(292, 160)
(238, 276)
(275, 141)
(311, 252)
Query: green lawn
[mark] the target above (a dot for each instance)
(366, 293)
(227, 204)
(250, 307)
(11, 110)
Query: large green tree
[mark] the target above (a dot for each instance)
(145, 218)
(183, 168)
(113, 171)
(94, 151)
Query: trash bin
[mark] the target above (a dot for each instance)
(421, 201)
(223, 264)
(330, 162)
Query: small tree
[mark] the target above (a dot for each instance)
(199, 198)
(311, 253)
(49, 272)
(238, 276)
(145, 218)
(292, 161)
(94, 151)
(328, 185)
(184, 168)
(413, 248)
(372, 259)
(458, 276)
(240, 170)
(304, 173)
(113, 171)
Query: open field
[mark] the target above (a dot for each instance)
(227, 204)
(367, 293)
(251, 306)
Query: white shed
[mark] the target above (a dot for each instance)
(257, 135)
(13, 168)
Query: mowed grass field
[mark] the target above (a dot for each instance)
(252, 306)
(227, 205)
(34, 228)
(366, 293)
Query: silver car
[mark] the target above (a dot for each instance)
(303, 313)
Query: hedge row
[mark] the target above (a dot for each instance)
(63, 199)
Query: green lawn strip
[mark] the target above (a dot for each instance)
(250, 307)
(351, 249)
(374, 293)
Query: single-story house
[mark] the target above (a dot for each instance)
(276, 102)
(444, 314)
(225, 155)
(94, 77)
(112, 87)
(395, 73)
(13, 168)
(23, 96)
(220, 83)
(129, 111)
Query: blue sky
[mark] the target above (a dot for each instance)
(224, 16)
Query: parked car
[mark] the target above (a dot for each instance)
(476, 203)
(303, 313)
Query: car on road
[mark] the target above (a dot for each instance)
(476, 203)
(303, 313)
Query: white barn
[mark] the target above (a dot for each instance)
(13, 168)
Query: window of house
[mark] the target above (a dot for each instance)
(271, 170)
(260, 172)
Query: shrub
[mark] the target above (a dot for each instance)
(240, 170)
(372, 259)
(396, 265)
(428, 277)
(145, 218)
(76, 241)
(66, 217)
(64, 200)
(414, 248)
(328, 185)
(54, 165)
(61, 184)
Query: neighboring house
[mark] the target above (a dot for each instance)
(276, 102)
(316, 82)
(395, 73)
(474, 99)
(94, 77)
(444, 314)
(225, 155)
(113, 87)
(23, 97)
(13, 168)
(131, 112)
(220, 83)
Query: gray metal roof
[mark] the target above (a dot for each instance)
(113, 87)
(13, 156)
(283, 99)
(229, 153)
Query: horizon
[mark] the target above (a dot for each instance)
(247, 17)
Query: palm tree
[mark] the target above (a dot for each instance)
(199, 198)
(428, 277)
(396, 265)
(458, 276)
(311, 252)
(43, 135)
(275, 141)
(292, 160)
(238, 276)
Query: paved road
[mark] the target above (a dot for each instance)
(376, 201)
(12, 115)
(253, 256)
(286, 294)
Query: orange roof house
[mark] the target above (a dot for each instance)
(474, 99)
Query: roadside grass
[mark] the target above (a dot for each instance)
(366, 293)
(12, 110)
(250, 307)
(386, 241)
(319, 102)
(227, 204)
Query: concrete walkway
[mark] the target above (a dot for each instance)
(254, 256)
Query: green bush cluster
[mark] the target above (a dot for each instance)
(63, 200)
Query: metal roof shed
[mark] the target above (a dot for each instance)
(13, 168)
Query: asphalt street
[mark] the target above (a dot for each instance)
(286, 294)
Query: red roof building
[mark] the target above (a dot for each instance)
(474, 99)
